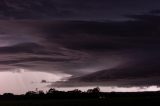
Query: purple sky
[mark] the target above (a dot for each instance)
(80, 43)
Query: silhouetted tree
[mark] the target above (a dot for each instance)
(75, 91)
(89, 90)
(30, 93)
(41, 92)
(94, 90)
(51, 91)
(8, 94)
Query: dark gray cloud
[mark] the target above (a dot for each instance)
(73, 10)
(95, 52)
(36, 56)
(142, 70)
(139, 41)
(89, 35)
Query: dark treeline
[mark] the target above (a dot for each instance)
(94, 93)
(54, 94)
(92, 97)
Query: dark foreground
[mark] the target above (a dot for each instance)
(78, 102)
(75, 98)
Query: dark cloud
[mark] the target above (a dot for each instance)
(143, 70)
(18, 9)
(36, 57)
(139, 41)
(126, 51)
(73, 10)
(22, 48)
(84, 35)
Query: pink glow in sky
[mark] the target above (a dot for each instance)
(21, 81)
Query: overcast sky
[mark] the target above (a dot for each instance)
(82, 42)
(75, 10)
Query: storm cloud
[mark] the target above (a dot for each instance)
(136, 42)
(79, 39)
(73, 10)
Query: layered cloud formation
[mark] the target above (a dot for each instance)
(111, 53)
